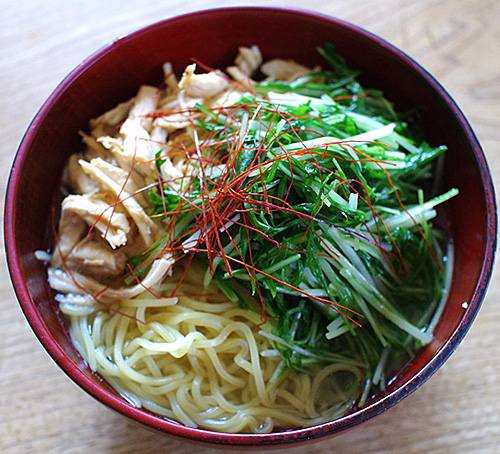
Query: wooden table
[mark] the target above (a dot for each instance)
(42, 411)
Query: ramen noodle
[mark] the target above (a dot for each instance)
(182, 288)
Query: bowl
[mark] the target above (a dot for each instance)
(114, 73)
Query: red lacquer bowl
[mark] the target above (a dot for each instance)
(114, 73)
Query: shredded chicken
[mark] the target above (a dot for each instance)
(145, 102)
(79, 284)
(78, 179)
(178, 112)
(247, 62)
(98, 214)
(96, 258)
(72, 228)
(205, 86)
(106, 221)
(145, 225)
(249, 59)
(286, 70)
(107, 123)
(170, 79)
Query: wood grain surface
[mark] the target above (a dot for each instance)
(42, 411)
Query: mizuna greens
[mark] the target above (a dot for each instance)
(311, 202)
(252, 252)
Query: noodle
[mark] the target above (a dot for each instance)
(157, 324)
(198, 361)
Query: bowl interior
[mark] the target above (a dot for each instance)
(113, 75)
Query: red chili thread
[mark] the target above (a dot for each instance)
(230, 191)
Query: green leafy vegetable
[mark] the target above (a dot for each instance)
(311, 195)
